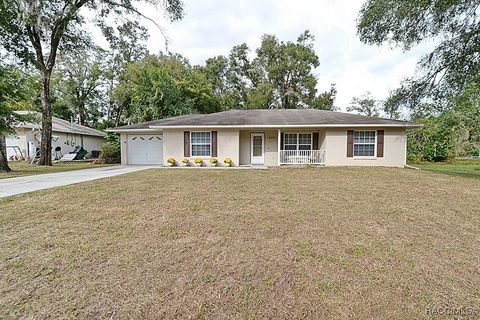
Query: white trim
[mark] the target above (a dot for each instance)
(289, 126)
(374, 157)
(191, 149)
(279, 146)
(133, 130)
(252, 134)
(298, 144)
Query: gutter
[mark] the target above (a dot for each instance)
(151, 129)
(286, 126)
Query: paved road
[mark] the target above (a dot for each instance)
(13, 186)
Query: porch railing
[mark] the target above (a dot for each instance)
(302, 156)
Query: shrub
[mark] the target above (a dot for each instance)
(227, 161)
(198, 160)
(185, 160)
(213, 161)
(171, 160)
(110, 153)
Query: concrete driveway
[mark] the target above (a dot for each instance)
(13, 186)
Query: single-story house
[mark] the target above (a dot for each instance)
(65, 137)
(268, 138)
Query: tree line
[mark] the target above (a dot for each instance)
(60, 71)
(444, 93)
(125, 84)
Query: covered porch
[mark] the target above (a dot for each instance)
(276, 147)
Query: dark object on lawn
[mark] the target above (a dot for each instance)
(80, 153)
(95, 153)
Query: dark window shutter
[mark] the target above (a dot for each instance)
(186, 143)
(214, 144)
(349, 143)
(315, 141)
(281, 141)
(380, 138)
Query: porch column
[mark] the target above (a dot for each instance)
(279, 138)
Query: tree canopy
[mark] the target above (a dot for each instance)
(280, 75)
(35, 31)
(454, 28)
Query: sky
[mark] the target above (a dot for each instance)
(213, 27)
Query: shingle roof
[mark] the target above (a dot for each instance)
(146, 125)
(60, 125)
(270, 118)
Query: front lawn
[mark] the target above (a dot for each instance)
(23, 168)
(281, 243)
(465, 167)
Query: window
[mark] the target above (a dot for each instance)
(200, 144)
(304, 141)
(364, 143)
(297, 141)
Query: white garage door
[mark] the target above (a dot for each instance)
(145, 149)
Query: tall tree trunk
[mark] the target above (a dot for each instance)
(117, 116)
(3, 155)
(46, 143)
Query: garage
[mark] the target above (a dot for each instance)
(145, 149)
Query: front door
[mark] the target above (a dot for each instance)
(257, 148)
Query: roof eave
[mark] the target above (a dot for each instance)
(151, 129)
(356, 125)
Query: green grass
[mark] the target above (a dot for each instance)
(465, 167)
(22, 168)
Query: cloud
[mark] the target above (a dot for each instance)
(213, 27)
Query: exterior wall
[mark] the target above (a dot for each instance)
(235, 144)
(123, 149)
(19, 140)
(394, 154)
(91, 143)
(66, 141)
(271, 146)
(227, 144)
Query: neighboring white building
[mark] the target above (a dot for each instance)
(65, 135)
(268, 138)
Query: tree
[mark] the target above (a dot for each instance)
(36, 30)
(127, 44)
(163, 86)
(455, 132)
(78, 85)
(453, 25)
(365, 105)
(12, 91)
(280, 75)
(288, 66)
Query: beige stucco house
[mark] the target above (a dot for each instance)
(268, 138)
(25, 142)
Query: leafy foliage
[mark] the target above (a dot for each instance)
(163, 86)
(78, 83)
(35, 31)
(456, 132)
(110, 151)
(281, 75)
(365, 105)
(453, 25)
(12, 93)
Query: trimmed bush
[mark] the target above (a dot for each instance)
(110, 153)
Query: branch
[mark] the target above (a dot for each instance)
(132, 9)
(59, 30)
(37, 44)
